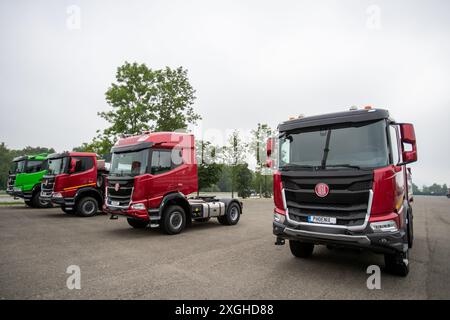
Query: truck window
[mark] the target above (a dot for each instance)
(161, 161)
(83, 164)
(362, 146)
(34, 166)
(395, 145)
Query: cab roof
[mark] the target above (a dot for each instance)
(147, 140)
(71, 154)
(41, 156)
(352, 116)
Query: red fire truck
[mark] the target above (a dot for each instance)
(75, 181)
(150, 180)
(341, 180)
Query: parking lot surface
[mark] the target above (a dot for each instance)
(206, 261)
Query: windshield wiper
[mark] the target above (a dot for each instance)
(345, 165)
(296, 166)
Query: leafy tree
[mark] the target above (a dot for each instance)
(258, 147)
(145, 99)
(209, 172)
(244, 177)
(234, 154)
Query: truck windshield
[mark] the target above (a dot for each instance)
(35, 166)
(132, 163)
(57, 166)
(333, 147)
(18, 166)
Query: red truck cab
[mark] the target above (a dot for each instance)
(341, 180)
(150, 179)
(75, 182)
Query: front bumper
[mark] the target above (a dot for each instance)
(18, 193)
(60, 201)
(381, 242)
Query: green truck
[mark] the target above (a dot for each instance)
(24, 180)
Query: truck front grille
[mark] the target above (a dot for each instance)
(347, 200)
(119, 192)
(47, 186)
(10, 183)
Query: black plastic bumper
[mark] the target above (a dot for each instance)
(383, 242)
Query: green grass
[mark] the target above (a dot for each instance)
(11, 203)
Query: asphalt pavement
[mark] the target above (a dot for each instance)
(206, 261)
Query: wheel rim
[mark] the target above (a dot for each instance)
(89, 207)
(234, 213)
(176, 219)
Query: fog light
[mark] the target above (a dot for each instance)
(138, 206)
(384, 226)
(56, 195)
(278, 218)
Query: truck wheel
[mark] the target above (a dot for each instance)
(137, 224)
(67, 210)
(173, 220)
(301, 249)
(36, 202)
(87, 207)
(28, 203)
(232, 215)
(397, 264)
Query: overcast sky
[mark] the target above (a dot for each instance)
(250, 62)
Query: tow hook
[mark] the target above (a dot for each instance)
(279, 242)
(114, 217)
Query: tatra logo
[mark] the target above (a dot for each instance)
(117, 187)
(322, 190)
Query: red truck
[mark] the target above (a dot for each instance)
(75, 181)
(341, 180)
(151, 178)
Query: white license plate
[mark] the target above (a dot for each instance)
(322, 220)
(115, 203)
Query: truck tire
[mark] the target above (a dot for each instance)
(137, 224)
(87, 207)
(173, 220)
(397, 264)
(232, 216)
(36, 202)
(67, 210)
(301, 249)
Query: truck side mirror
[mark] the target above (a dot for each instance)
(408, 138)
(269, 163)
(269, 147)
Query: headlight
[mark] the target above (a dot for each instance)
(384, 226)
(138, 206)
(56, 195)
(278, 217)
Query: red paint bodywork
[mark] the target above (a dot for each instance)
(69, 184)
(150, 189)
